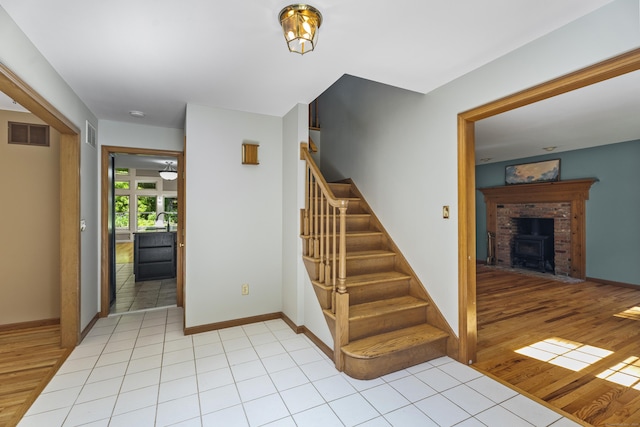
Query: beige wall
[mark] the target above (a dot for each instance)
(29, 218)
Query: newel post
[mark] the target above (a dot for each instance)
(342, 297)
(342, 252)
(342, 328)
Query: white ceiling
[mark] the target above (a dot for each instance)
(603, 113)
(158, 55)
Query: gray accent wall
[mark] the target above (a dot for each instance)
(613, 208)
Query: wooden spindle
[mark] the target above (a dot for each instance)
(321, 265)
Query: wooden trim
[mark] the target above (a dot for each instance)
(468, 333)
(182, 227)
(231, 323)
(297, 329)
(613, 283)
(28, 325)
(26, 96)
(317, 341)
(604, 70)
(104, 226)
(70, 253)
(106, 150)
(86, 330)
(544, 192)
(303, 330)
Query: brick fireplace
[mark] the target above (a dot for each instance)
(562, 201)
(507, 228)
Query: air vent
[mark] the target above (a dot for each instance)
(91, 135)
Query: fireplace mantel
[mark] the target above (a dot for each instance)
(575, 192)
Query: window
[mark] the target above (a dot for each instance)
(146, 211)
(171, 209)
(122, 171)
(122, 212)
(122, 185)
(146, 186)
(28, 134)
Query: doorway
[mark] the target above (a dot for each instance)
(616, 66)
(140, 206)
(24, 95)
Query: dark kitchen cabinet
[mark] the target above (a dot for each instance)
(154, 255)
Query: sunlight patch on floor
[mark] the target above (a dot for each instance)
(626, 373)
(565, 353)
(633, 313)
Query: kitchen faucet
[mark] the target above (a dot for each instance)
(162, 222)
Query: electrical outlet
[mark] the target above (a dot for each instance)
(445, 212)
(245, 289)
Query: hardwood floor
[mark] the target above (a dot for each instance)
(587, 335)
(28, 359)
(124, 253)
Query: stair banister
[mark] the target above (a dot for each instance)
(317, 189)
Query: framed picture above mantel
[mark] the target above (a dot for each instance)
(529, 173)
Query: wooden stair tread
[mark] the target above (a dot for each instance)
(374, 253)
(369, 278)
(369, 254)
(394, 341)
(380, 307)
(353, 233)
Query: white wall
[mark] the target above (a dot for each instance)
(233, 216)
(299, 301)
(123, 134)
(401, 147)
(18, 54)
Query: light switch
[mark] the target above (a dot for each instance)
(445, 212)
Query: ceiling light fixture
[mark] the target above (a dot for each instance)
(169, 173)
(300, 24)
(136, 113)
(549, 148)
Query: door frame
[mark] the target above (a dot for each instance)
(69, 161)
(106, 151)
(616, 66)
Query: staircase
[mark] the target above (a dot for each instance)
(381, 318)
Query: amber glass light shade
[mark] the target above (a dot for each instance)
(300, 24)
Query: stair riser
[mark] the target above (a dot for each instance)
(324, 296)
(361, 243)
(341, 191)
(365, 293)
(353, 207)
(367, 327)
(367, 369)
(354, 223)
(354, 243)
(370, 265)
(378, 291)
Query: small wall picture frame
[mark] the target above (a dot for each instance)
(250, 153)
(530, 173)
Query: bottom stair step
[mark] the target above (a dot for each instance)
(379, 355)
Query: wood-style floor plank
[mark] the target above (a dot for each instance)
(518, 310)
(28, 360)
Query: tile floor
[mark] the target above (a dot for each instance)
(133, 296)
(138, 369)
